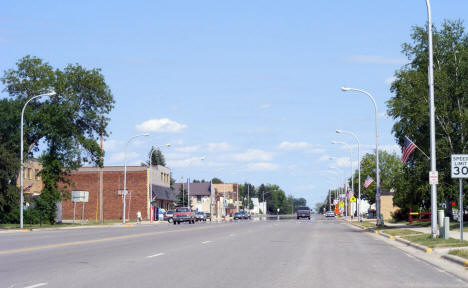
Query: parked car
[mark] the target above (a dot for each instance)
(208, 216)
(329, 214)
(200, 216)
(238, 215)
(183, 214)
(303, 212)
(168, 216)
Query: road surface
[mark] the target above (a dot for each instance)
(304, 253)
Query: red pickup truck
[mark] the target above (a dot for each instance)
(183, 214)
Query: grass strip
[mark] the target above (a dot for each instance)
(428, 241)
(459, 252)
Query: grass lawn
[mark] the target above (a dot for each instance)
(459, 252)
(58, 225)
(367, 224)
(427, 240)
(455, 226)
(400, 232)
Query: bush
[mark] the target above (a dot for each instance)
(399, 215)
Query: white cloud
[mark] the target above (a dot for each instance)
(390, 80)
(220, 146)
(188, 149)
(264, 106)
(262, 166)
(323, 158)
(253, 155)
(161, 125)
(301, 145)
(109, 145)
(373, 59)
(391, 148)
(192, 162)
(119, 158)
(305, 187)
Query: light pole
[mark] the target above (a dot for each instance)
(125, 175)
(151, 172)
(188, 178)
(377, 172)
(359, 169)
(351, 165)
(432, 123)
(52, 93)
(340, 175)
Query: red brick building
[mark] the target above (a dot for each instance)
(138, 186)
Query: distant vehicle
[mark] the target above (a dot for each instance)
(208, 216)
(183, 214)
(238, 215)
(329, 214)
(200, 216)
(245, 214)
(169, 215)
(303, 212)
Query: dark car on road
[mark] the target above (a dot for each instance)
(238, 215)
(303, 212)
(200, 216)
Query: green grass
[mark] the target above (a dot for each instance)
(427, 240)
(455, 226)
(366, 224)
(59, 225)
(459, 252)
(400, 232)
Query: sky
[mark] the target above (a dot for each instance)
(251, 86)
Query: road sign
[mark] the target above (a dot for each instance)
(122, 192)
(80, 196)
(459, 166)
(433, 178)
(353, 199)
(342, 204)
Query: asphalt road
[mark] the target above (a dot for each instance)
(316, 253)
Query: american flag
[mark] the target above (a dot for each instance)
(181, 180)
(28, 187)
(368, 181)
(407, 149)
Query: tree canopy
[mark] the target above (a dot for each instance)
(67, 125)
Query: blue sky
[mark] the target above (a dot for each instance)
(253, 86)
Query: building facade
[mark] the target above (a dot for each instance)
(109, 181)
(32, 181)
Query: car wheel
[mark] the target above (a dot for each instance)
(174, 222)
(309, 218)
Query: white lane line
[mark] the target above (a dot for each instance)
(36, 285)
(155, 255)
(206, 242)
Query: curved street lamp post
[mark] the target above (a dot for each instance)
(377, 172)
(125, 175)
(359, 169)
(52, 93)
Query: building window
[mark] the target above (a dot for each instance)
(198, 198)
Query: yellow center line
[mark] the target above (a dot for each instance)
(75, 243)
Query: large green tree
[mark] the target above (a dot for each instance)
(67, 125)
(409, 107)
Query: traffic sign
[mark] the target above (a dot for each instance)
(459, 166)
(353, 199)
(433, 177)
(342, 204)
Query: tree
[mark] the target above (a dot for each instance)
(216, 181)
(409, 107)
(157, 157)
(391, 174)
(68, 125)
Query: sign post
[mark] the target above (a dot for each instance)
(79, 196)
(459, 165)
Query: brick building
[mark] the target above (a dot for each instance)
(138, 186)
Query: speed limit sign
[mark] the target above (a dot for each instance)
(460, 166)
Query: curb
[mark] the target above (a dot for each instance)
(417, 246)
(455, 259)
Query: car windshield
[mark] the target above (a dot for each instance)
(182, 210)
(303, 208)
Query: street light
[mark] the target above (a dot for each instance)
(359, 168)
(430, 76)
(151, 170)
(351, 165)
(52, 93)
(125, 175)
(377, 172)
